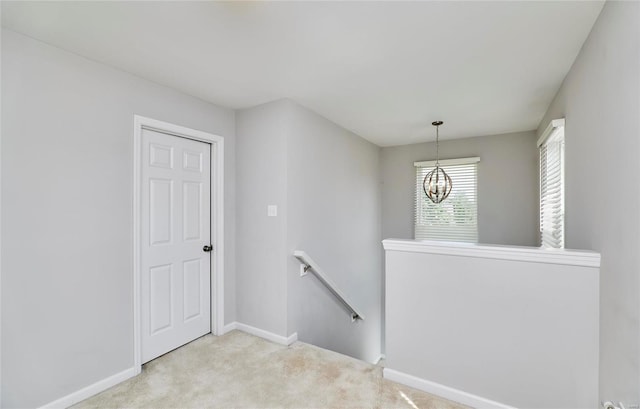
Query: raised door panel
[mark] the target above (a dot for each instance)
(160, 308)
(192, 210)
(192, 161)
(160, 156)
(192, 289)
(160, 211)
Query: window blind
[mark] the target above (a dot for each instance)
(552, 187)
(455, 219)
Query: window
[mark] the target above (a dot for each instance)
(456, 218)
(551, 145)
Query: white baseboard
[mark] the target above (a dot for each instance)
(443, 391)
(380, 358)
(270, 336)
(91, 390)
(229, 327)
(113, 380)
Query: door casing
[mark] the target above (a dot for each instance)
(217, 222)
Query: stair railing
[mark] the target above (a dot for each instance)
(309, 265)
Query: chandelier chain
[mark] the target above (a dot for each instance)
(437, 146)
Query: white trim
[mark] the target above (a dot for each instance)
(270, 336)
(447, 162)
(553, 125)
(443, 391)
(229, 327)
(137, 141)
(582, 258)
(217, 220)
(94, 389)
(0, 234)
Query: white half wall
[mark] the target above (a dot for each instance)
(512, 325)
(67, 195)
(600, 99)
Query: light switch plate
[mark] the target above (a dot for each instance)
(272, 210)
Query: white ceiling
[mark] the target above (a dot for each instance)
(384, 70)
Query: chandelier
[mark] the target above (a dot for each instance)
(437, 184)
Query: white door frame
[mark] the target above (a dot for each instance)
(217, 222)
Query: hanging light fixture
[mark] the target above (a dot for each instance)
(437, 184)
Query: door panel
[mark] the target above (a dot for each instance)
(192, 289)
(160, 198)
(192, 161)
(160, 298)
(175, 226)
(161, 156)
(192, 200)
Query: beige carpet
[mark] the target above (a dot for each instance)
(238, 370)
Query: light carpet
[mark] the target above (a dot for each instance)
(238, 370)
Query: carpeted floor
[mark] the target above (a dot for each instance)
(238, 370)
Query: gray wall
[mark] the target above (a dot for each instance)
(600, 98)
(334, 215)
(507, 186)
(67, 148)
(325, 183)
(261, 240)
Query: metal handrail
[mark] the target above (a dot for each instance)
(310, 265)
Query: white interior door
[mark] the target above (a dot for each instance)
(175, 228)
